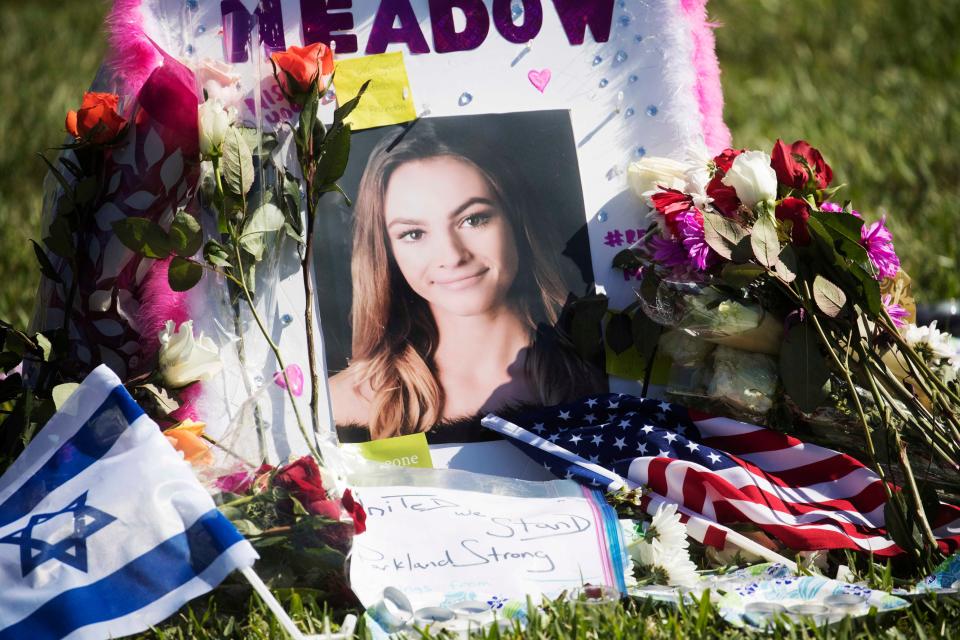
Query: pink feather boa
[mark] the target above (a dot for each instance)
(708, 89)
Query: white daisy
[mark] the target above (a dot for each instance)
(664, 536)
(676, 570)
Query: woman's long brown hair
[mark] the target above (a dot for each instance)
(394, 334)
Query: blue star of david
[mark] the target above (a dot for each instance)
(72, 550)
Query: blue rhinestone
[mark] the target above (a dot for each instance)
(516, 9)
(624, 20)
(286, 319)
(201, 29)
(602, 216)
(597, 60)
(623, 3)
(193, 4)
(190, 49)
(465, 99)
(633, 78)
(641, 152)
(629, 112)
(604, 82)
(638, 38)
(620, 57)
(652, 110)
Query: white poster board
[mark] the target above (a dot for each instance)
(624, 70)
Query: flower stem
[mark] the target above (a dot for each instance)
(306, 266)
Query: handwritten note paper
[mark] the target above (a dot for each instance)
(441, 546)
(387, 100)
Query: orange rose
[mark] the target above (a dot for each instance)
(98, 120)
(185, 438)
(299, 67)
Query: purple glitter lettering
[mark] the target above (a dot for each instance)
(577, 15)
(321, 18)
(383, 32)
(237, 23)
(446, 38)
(532, 20)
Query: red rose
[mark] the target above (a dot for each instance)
(302, 479)
(98, 120)
(725, 160)
(355, 510)
(671, 204)
(299, 67)
(797, 212)
(795, 164)
(724, 198)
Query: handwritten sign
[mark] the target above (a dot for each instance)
(443, 546)
(388, 99)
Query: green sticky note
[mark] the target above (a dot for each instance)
(630, 365)
(387, 100)
(402, 451)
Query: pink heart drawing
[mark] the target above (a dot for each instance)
(295, 375)
(539, 79)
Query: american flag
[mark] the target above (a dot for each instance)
(717, 470)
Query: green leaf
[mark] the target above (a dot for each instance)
(786, 266)
(258, 145)
(764, 241)
(185, 235)
(347, 107)
(336, 188)
(902, 529)
(237, 163)
(267, 219)
(740, 275)
(46, 267)
(60, 240)
(619, 334)
(829, 297)
(43, 342)
(62, 392)
(803, 368)
(869, 290)
(333, 161)
(646, 334)
(67, 189)
(144, 237)
(844, 230)
(216, 254)
(627, 259)
(183, 274)
(586, 326)
(723, 234)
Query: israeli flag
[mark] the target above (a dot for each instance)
(104, 529)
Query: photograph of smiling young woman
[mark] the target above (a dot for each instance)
(456, 291)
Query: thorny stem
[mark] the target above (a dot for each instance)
(305, 268)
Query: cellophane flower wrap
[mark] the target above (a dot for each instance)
(783, 303)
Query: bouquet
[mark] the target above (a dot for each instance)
(751, 260)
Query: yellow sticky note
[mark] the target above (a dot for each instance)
(388, 99)
(402, 451)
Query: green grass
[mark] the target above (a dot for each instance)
(875, 84)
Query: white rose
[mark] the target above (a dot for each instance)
(215, 120)
(752, 177)
(184, 359)
(648, 175)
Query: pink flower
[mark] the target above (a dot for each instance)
(241, 481)
(897, 313)
(878, 241)
(833, 207)
(668, 252)
(295, 375)
(690, 231)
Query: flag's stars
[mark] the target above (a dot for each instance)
(693, 446)
(574, 439)
(554, 437)
(624, 424)
(647, 428)
(593, 459)
(681, 429)
(630, 414)
(591, 403)
(665, 406)
(663, 454)
(564, 415)
(619, 444)
(590, 418)
(71, 550)
(613, 405)
(642, 448)
(539, 428)
(597, 439)
(611, 417)
(568, 475)
(547, 467)
(714, 458)
(661, 416)
(670, 437)
(594, 483)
